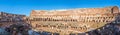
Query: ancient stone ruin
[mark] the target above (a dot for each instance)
(7, 19)
(73, 20)
(66, 22)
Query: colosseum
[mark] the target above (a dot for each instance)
(79, 20)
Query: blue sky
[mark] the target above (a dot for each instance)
(25, 6)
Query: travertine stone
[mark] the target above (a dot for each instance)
(73, 20)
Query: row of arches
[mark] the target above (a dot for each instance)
(80, 19)
(61, 27)
(51, 19)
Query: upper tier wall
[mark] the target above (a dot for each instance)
(106, 10)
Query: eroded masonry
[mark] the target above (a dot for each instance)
(73, 20)
(64, 22)
(7, 19)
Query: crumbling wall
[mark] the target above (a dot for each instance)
(77, 20)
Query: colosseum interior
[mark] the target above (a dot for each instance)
(80, 21)
(73, 20)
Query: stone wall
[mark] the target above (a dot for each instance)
(74, 20)
(10, 17)
(81, 11)
(7, 19)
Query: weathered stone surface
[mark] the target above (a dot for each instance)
(86, 21)
(73, 20)
(8, 19)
